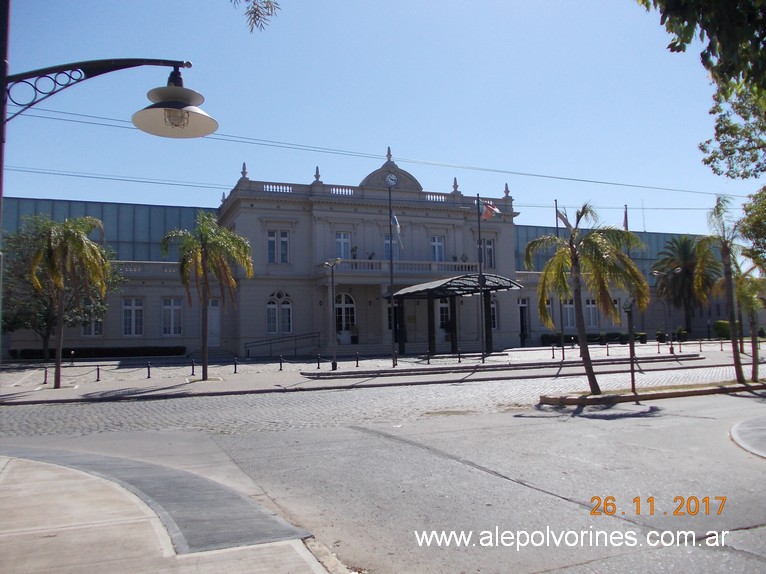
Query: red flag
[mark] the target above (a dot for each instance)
(488, 210)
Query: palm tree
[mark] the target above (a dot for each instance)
(594, 258)
(68, 261)
(749, 296)
(725, 233)
(207, 252)
(675, 269)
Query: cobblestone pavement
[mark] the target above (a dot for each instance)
(284, 411)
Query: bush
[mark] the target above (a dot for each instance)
(721, 329)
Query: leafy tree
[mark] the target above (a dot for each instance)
(739, 151)
(595, 259)
(205, 253)
(675, 271)
(25, 307)
(68, 270)
(749, 293)
(735, 30)
(724, 235)
(258, 12)
(753, 224)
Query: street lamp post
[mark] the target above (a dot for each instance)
(333, 329)
(173, 112)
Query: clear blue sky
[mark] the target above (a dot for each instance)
(490, 91)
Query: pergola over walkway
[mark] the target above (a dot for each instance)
(483, 284)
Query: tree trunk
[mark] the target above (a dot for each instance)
(580, 324)
(754, 344)
(688, 311)
(205, 304)
(59, 339)
(728, 282)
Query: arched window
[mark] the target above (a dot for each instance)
(345, 312)
(279, 314)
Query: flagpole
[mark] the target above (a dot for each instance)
(561, 305)
(629, 311)
(481, 281)
(391, 276)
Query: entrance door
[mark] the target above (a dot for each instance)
(214, 323)
(523, 321)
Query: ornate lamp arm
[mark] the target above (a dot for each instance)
(46, 82)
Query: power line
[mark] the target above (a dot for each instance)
(115, 123)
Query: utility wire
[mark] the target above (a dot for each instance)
(124, 124)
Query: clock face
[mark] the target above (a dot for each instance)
(391, 179)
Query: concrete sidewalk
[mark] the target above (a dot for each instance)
(74, 512)
(158, 379)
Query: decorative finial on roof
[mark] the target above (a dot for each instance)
(507, 191)
(388, 153)
(316, 174)
(244, 169)
(223, 196)
(454, 185)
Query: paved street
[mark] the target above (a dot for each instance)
(364, 469)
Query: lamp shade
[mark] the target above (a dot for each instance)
(174, 114)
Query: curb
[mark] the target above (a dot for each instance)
(589, 400)
(394, 372)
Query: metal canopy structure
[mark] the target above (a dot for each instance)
(483, 284)
(461, 286)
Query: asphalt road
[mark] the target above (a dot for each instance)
(365, 470)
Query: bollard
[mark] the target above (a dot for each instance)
(98, 373)
(680, 348)
(721, 340)
(148, 370)
(192, 367)
(459, 358)
(319, 358)
(71, 358)
(235, 365)
(607, 349)
(280, 362)
(428, 358)
(700, 345)
(357, 358)
(658, 346)
(45, 381)
(553, 351)
(396, 358)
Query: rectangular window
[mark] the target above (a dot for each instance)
(171, 316)
(271, 318)
(93, 329)
(591, 313)
(387, 247)
(437, 248)
(343, 244)
(489, 253)
(132, 317)
(444, 314)
(286, 318)
(569, 315)
(278, 246)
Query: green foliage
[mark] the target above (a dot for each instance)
(734, 29)
(207, 253)
(739, 151)
(753, 224)
(721, 330)
(258, 12)
(31, 294)
(595, 258)
(675, 269)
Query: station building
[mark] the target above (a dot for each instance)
(327, 259)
